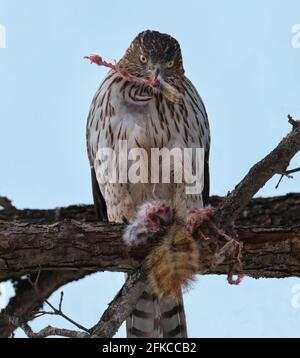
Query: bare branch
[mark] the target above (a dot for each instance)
(92, 250)
(60, 313)
(276, 162)
(293, 122)
(288, 175)
(55, 311)
(26, 303)
(61, 301)
(114, 316)
(52, 332)
(6, 204)
(121, 307)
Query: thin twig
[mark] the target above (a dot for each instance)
(61, 301)
(287, 174)
(52, 332)
(119, 309)
(57, 312)
(25, 302)
(293, 122)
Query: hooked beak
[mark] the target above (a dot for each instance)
(155, 75)
(157, 71)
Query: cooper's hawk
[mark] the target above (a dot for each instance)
(169, 114)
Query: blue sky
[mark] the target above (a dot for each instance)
(240, 57)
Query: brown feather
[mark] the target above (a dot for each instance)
(99, 202)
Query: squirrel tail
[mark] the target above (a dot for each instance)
(173, 263)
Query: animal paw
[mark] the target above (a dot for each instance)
(152, 218)
(197, 217)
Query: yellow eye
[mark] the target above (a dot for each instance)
(143, 59)
(170, 64)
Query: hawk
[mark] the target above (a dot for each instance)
(169, 114)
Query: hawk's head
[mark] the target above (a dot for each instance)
(155, 55)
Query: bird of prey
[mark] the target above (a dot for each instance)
(167, 114)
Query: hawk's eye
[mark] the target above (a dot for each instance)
(170, 64)
(143, 59)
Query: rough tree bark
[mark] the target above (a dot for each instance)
(260, 213)
(262, 223)
(90, 247)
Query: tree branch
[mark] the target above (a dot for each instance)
(95, 248)
(121, 307)
(51, 331)
(6, 204)
(26, 302)
(274, 163)
(261, 213)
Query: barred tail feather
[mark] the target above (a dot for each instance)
(173, 318)
(153, 318)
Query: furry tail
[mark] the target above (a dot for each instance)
(154, 318)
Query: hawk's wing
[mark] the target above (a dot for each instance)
(99, 202)
(206, 190)
(199, 116)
